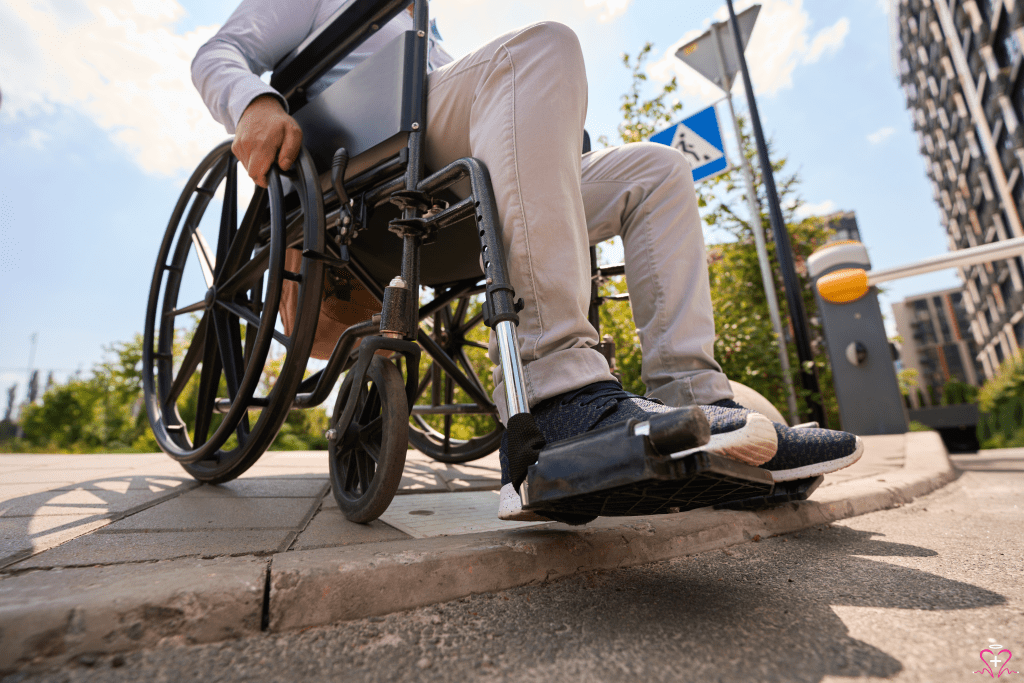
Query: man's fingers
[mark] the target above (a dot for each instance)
(259, 164)
(290, 146)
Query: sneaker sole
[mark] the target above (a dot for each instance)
(510, 507)
(755, 443)
(820, 467)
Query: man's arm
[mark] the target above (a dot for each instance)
(227, 70)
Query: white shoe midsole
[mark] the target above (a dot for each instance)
(820, 467)
(755, 443)
(510, 507)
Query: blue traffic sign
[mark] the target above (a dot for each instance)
(699, 138)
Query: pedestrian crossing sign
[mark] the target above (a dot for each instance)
(699, 138)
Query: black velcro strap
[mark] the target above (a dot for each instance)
(525, 443)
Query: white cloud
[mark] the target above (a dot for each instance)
(612, 8)
(118, 62)
(820, 209)
(782, 40)
(880, 135)
(827, 40)
(37, 139)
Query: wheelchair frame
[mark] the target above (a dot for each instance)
(655, 466)
(322, 225)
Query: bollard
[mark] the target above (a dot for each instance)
(862, 366)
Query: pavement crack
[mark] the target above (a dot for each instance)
(265, 611)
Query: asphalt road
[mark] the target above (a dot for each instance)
(911, 594)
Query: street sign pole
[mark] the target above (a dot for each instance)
(754, 207)
(783, 249)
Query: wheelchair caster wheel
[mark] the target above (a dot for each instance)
(368, 455)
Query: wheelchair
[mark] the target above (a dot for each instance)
(358, 208)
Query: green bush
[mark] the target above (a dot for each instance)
(1001, 404)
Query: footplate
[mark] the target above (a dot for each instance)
(614, 472)
(784, 492)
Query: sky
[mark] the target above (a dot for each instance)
(100, 126)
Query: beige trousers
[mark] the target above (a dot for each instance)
(519, 105)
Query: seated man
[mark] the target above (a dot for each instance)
(519, 104)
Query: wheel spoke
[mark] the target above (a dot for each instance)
(365, 470)
(191, 308)
(373, 450)
(204, 254)
(248, 275)
(209, 380)
(250, 317)
(188, 363)
(369, 432)
(462, 358)
(474, 344)
(240, 248)
(229, 343)
(460, 312)
(449, 398)
(351, 470)
(228, 213)
(471, 323)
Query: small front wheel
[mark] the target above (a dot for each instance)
(367, 459)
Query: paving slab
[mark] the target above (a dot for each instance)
(203, 512)
(264, 487)
(127, 607)
(74, 501)
(111, 548)
(330, 529)
(429, 515)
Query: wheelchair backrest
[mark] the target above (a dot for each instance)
(370, 110)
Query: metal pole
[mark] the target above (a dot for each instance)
(983, 253)
(783, 250)
(767, 280)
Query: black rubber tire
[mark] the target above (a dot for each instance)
(364, 485)
(245, 280)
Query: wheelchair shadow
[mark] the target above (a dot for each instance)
(764, 611)
(38, 521)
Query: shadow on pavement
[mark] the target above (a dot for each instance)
(42, 519)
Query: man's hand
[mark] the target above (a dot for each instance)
(266, 133)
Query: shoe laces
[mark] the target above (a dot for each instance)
(607, 392)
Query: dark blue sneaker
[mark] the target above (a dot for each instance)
(747, 438)
(803, 451)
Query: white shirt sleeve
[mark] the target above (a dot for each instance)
(226, 70)
(260, 33)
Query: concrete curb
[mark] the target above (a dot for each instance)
(318, 587)
(67, 613)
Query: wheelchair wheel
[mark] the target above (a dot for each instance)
(448, 437)
(366, 461)
(213, 316)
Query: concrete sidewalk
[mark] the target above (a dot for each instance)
(108, 553)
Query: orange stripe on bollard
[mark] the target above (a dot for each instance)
(843, 286)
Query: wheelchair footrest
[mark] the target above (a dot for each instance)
(784, 492)
(612, 472)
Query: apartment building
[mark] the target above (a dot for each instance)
(959, 62)
(937, 342)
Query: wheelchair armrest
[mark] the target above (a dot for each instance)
(353, 23)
